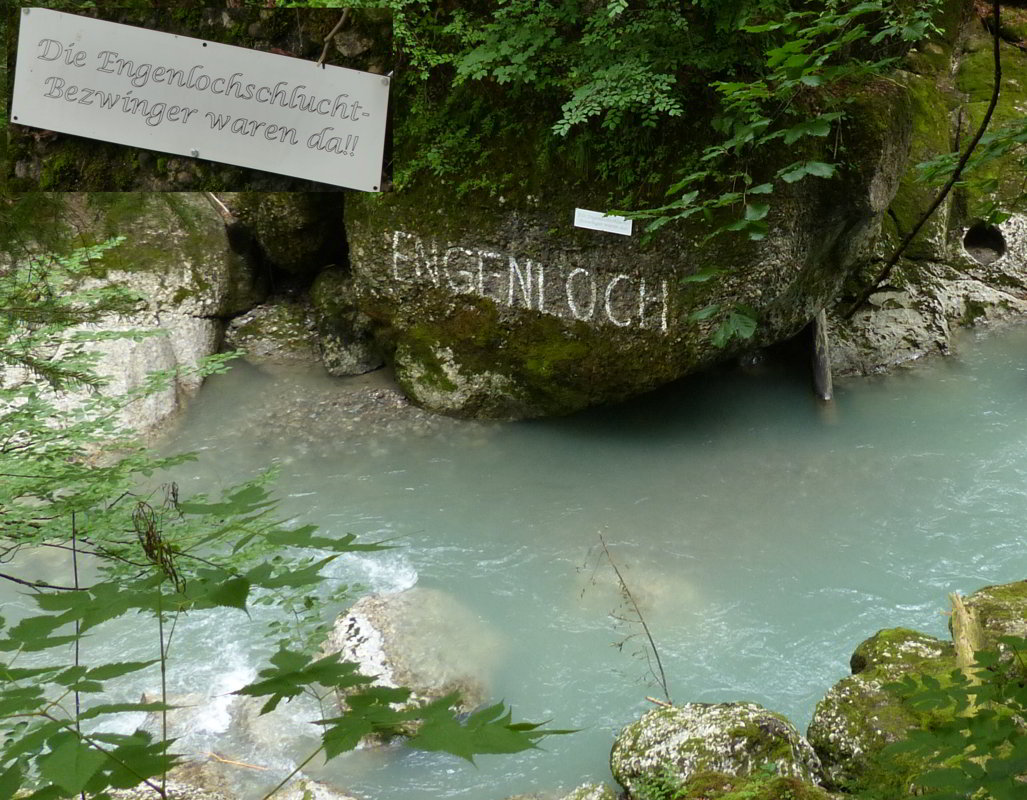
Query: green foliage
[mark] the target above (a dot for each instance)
(979, 748)
(74, 482)
(813, 57)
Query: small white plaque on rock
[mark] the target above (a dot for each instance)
(192, 97)
(598, 221)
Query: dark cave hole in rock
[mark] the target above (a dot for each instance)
(985, 243)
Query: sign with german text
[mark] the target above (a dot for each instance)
(192, 97)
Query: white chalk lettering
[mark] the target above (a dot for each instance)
(468, 275)
(581, 293)
(523, 278)
(571, 304)
(609, 304)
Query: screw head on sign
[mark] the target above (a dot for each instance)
(194, 152)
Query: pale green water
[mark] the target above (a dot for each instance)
(765, 537)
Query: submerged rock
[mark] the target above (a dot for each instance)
(281, 332)
(422, 639)
(858, 717)
(306, 789)
(670, 746)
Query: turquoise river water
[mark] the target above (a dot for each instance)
(765, 535)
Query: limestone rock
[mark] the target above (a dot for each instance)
(958, 271)
(587, 791)
(345, 341)
(926, 301)
(858, 717)
(300, 233)
(281, 332)
(591, 791)
(498, 307)
(1001, 610)
(306, 789)
(177, 262)
(422, 639)
(176, 790)
(672, 745)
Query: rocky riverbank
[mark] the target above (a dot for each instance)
(694, 751)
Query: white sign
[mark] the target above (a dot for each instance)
(598, 221)
(192, 97)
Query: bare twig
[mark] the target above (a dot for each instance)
(658, 673)
(223, 760)
(328, 38)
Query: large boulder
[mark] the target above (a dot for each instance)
(281, 332)
(671, 746)
(345, 340)
(1001, 611)
(422, 639)
(499, 307)
(858, 717)
(299, 233)
(960, 270)
(176, 261)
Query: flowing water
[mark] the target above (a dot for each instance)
(763, 535)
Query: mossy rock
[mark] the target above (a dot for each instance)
(673, 745)
(277, 333)
(176, 252)
(1001, 610)
(591, 791)
(859, 717)
(975, 78)
(931, 137)
(498, 306)
(345, 340)
(299, 233)
(719, 786)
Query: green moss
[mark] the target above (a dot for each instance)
(928, 108)
(1000, 181)
(719, 786)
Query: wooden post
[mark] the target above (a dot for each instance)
(823, 385)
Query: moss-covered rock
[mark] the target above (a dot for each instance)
(344, 336)
(671, 746)
(858, 717)
(591, 791)
(1001, 610)
(719, 786)
(176, 260)
(499, 307)
(300, 233)
(281, 332)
